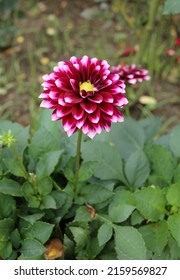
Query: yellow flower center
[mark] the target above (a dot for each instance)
(87, 86)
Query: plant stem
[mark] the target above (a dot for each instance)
(26, 175)
(146, 36)
(78, 155)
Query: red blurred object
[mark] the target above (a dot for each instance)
(177, 41)
(171, 52)
(128, 51)
(178, 59)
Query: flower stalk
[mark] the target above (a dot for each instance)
(78, 157)
(153, 9)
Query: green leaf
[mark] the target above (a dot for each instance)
(93, 194)
(82, 214)
(107, 160)
(6, 251)
(7, 206)
(156, 181)
(104, 233)
(155, 236)
(16, 238)
(171, 7)
(40, 231)
(48, 202)
(163, 163)
(129, 244)
(81, 236)
(137, 168)
(174, 140)
(69, 192)
(69, 169)
(10, 187)
(150, 202)
(177, 173)
(150, 126)
(127, 137)
(33, 202)
(173, 194)
(20, 133)
(86, 171)
(44, 186)
(174, 226)
(93, 248)
(12, 163)
(32, 248)
(174, 249)
(28, 190)
(31, 218)
(136, 218)
(122, 206)
(59, 197)
(47, 163)
(45, 139)
(6, 227)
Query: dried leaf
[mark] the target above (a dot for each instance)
(54, 249)
(91, 210)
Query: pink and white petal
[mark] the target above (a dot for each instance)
(120, 100)
(107, 108)
(106, 125)
(48, 103)
(74, 59)
(47, 84)
(80, 123)
(114, 77)
(120, 117)
(46, 77)
(44, 94)
(84, 61)
(54, 95)
(107, 97)
(77, 66)
(98, 128)
(63, 84)
(71, 97)
(115, 89)
(77, 112)
(54, 116)
(91, 133)
(105, 84)
(85, 128)
(95, 116)
(71, 131)
(110, 119)
(88, 106)
(68, 122)
(61, 101)
(63, 111)
(96, 98)
(105, 64)
(74, 84)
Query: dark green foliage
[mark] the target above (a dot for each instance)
(126, 204)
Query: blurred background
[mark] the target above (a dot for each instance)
(35, 35)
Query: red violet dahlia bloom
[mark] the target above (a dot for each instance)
(84, 95)
(131, 74)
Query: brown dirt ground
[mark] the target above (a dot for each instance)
(19, 103)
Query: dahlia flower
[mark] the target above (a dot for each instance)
(84, 94)
(131, 74)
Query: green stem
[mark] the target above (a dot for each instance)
(146, 36)
(26, 175)
(78, 155)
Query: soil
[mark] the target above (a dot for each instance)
(34, 24)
